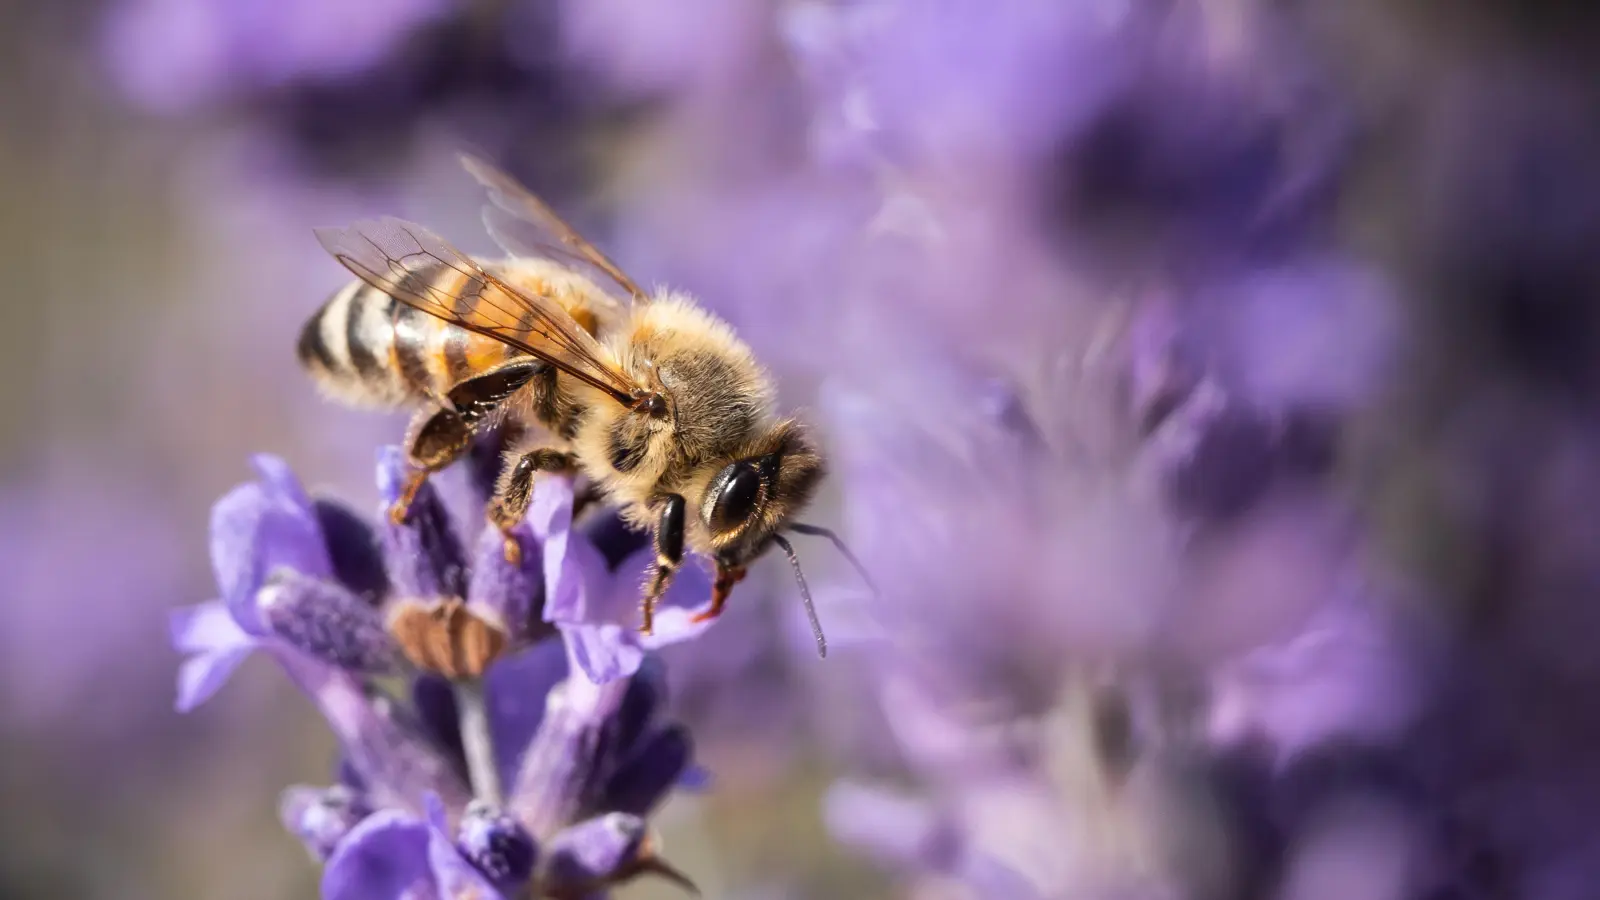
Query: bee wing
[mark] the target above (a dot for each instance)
(522, 223)
(395, 256)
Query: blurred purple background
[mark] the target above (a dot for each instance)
(1211, 389)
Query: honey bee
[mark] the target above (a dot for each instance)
(656, 401)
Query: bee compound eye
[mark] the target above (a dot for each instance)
(736, 498)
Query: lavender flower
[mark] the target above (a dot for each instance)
(1095, 350)
(1112, 544)
(513, 756)
(174, 54)
(346, 92)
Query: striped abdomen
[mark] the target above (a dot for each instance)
(368, 349)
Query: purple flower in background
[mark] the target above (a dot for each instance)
(1092, 347)
(171, 55)
(647, 48)
(1101, 427)
(349, 90)
(527, 743)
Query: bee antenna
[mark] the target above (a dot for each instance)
(844, 549)
(805, 593)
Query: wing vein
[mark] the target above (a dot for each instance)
(511, 205)
(396, 257)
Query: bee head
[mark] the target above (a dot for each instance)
(755, 496)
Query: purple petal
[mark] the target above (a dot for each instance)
(603, 635)
(652, 770)
(257, 528)
(353, 550)
(613, 536)
(424, 556)
(389, 751)
(989, 877)
(516, 687)
(217, 644)
(575, 572)
(486, 459)
(235, 523)
(1213, 455)
(201, 676)
(513, 595)
(894, 829)
(603, 652)
(433, 810)
(550, 509)
(696, 778)
(908, 833)
(435, 701)
(345, 774)
(690, 592)
(1340, 678)
(595, 849)
(383, 858)
(205, 627)
(322, 817)
(646, 696)
(563, 767)
(280, 480)
(456, 878)
(325, 621)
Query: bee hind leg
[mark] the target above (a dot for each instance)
(438, 437)
(434, 440)
(515, 491)
(669, 555)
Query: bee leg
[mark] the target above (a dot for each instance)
(669, 554)
(434, 440)
(515, 492)
(720, 589)
(479, 399)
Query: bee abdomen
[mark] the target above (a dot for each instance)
(348, 346)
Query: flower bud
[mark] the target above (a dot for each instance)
(494, 841)
(321, 817)
(326, 622)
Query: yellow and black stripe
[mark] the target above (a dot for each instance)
(368, 349)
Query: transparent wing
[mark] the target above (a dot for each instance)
(418, 268)
(522, 223)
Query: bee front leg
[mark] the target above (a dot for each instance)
(434, 440)
(720, 589)
(669, 555)
(515, 491)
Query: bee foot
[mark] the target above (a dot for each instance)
(400, 510)
(512, 549)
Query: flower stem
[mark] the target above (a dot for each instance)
(476, 741)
